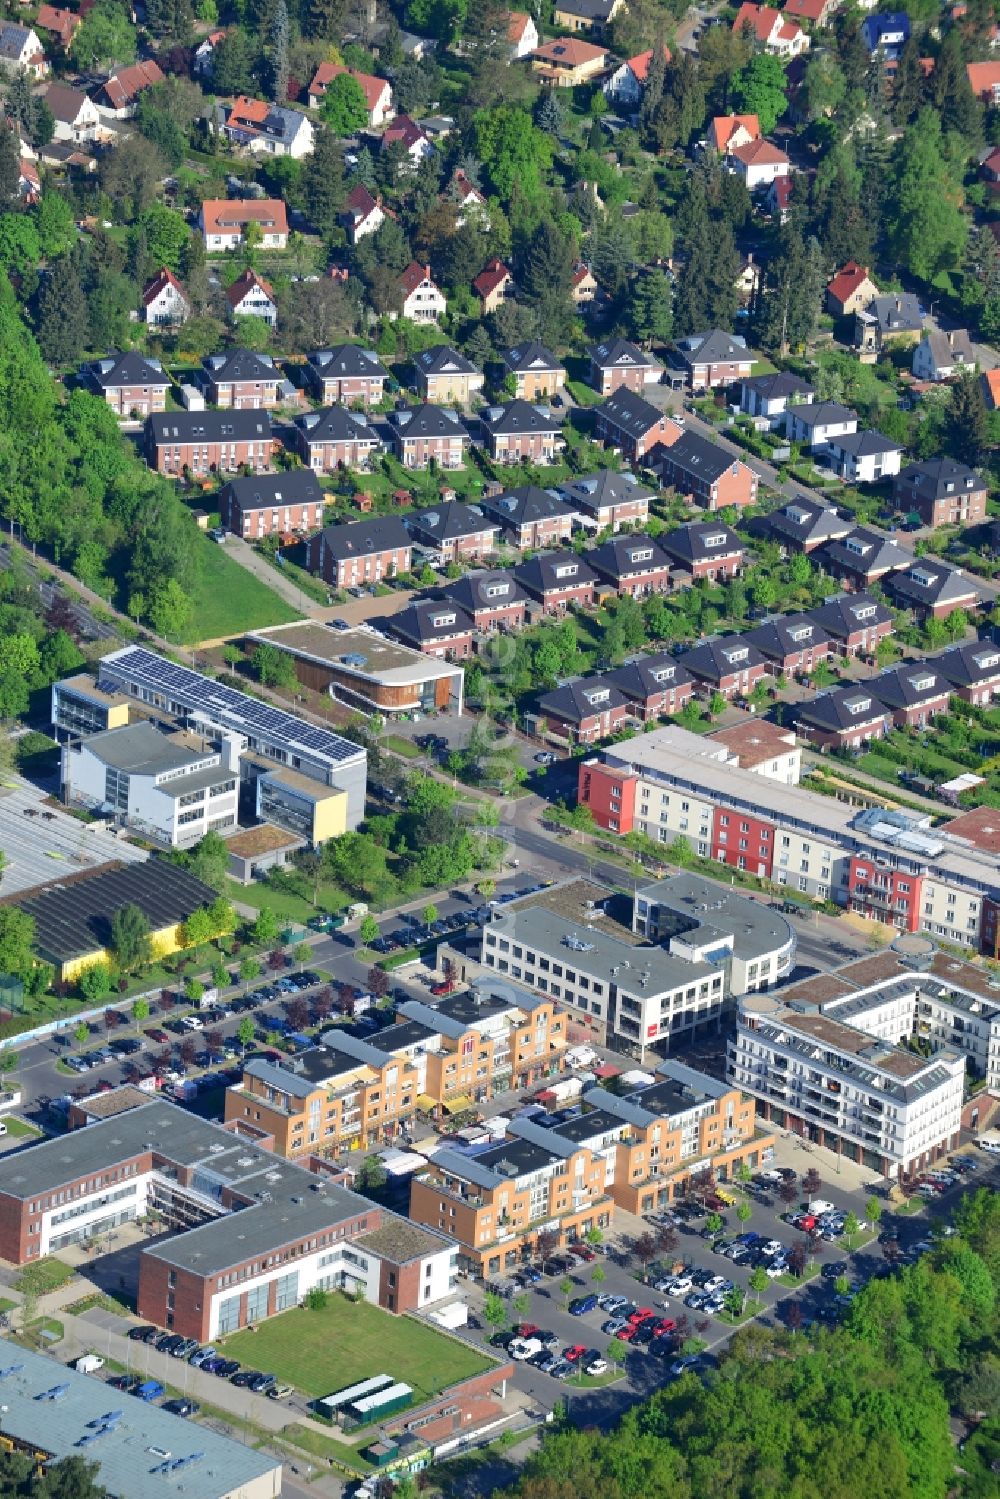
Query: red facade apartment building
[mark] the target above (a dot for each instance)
(743, 842)
(557, 580)
(361, 552)
(209, 442)
(130, 384)
(631, 423)
(272, 505)
(879, 893)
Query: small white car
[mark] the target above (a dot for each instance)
(595, 1367)
(522, 1349)
(193, 1023)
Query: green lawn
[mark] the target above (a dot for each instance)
(44, 1276)
(229, 600)
(322, 1351)
(400, 746)
(18, 1129)
(286, 904)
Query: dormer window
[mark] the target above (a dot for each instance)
(860, 705)
(566, 570)
(646, 556)
(866, 613)
(715, 541)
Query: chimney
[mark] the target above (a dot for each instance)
(899, 304)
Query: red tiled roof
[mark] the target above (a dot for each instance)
(991, 380)
(759, 153)
(517, 25)
(806, 10)
(360, 202)
(847, 280)
(494, 275)
(403, 129)
(984, 77)
(569, 52)
(414, 274)
(640, 64)
(62, 23)
(373, 88)
(581, 274)
(244, 111)
(724, 127)
(124, 87)
(163, 278)
(222, 214)
(246, 283)
(761, 20)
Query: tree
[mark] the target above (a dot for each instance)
(521, 1306)
(371, 1175)
(246, 1031)
(548, 111)
(106, 38)
(130, 937)
(232, 63)
(10, 166)
(344, 108)
(546, 276)
(565, 1290)
(512, 149)
(378, 981)
(714, 1223)
(368, 930)
(644, 1250)
(811, 1182)
(744, 1213)
(598, 1274)
(796, 1260)
(873, 1213)
(650, 309)
(758, 1282)
(927, 229)
(966, 422)
(95, 983)
(62, 318)
(546, 1244)
(193, 990)
(265, 927)
(278, 60)
(759, 88)
(851, 1230)
(438, 18)
(495, 1311)
(81, 1032)
(666, 1240)
(274, 668)
(429, 914)
(824, 86)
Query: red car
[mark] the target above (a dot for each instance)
(575, 1353)
(662, 1325)
(526, 1329)
(581, 1252)
(155, 1034)
(447, 987)
(642, 1314)
(628, 1333)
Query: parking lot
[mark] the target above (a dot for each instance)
(651, 1360)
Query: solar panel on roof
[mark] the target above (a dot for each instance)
(143, 668)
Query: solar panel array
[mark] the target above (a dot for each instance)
(144, 669)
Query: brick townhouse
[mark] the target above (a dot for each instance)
(633, 565)
(436, 626)
(336, 438)
(633, 425)
(856, 623)
(557, 580)
(654, 685)
(608, 500)
(914, 693)
(536, 370)
(421, 434)
(208, 442)
(243, 381)
(272, 504)
(530, 517)
(714, 358)
(131, 384)
(522, 433)
(361, 552)
(704, 549)
(731, 666)
(706, 473)
(942, 492)
(844, 718)
(973, 669)
(346, 374)
(803, 525)
(617, 364)
(794, 644)
(494, 599)
(455, 530)
(583, 712)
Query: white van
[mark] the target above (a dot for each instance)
(89, 1363)
(819, 1206)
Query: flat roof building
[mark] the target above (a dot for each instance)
(139, 1448)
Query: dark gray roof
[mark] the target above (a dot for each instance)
(714, 346)
(426, 621)
(523, 506)
(377, 533)
(519, 416)
(787, 633)
(443, 360)
(806, 521)
(581, 700)
(644, 678)
(553, 571)
(346, 362)
(530, 355)
(210, 426)
(449, 521)
(910, 686)
(867, 551)
(337, 424)
(846, 613)
(938, 477)
(127, 369)
(822, 414)
(970, 664)
(896, 314)
(627, 557)
(594, 492)
(843, 708)
(619, 353)
(491, 588)
(241, 365)
(295, 486)
(143, 749)
(411, 422)
(714, 659)
(930, 582)
(630, 412)
(588, 10)
(702, 541)
(774, 387)
(75, 918)
(865, 444)
(697, 455)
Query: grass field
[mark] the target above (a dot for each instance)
(285, 904)
(228, 600)
(18, 1129)
(44, 1276)
(322, 1351)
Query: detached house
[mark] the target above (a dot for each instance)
(251, 296)
(530, 517)
(436, 626)
(770, 30)
(887, 32)
(816, 12)
(494, 599)
(206, 442)
(864, 457)
(520, 432)
(845, 718)
(703, 549)
(557, 580)
(272, 504)
(768, 396)
(76, 117)
(819, 421)
(631, 424)
(864, 557)
(804, 525)
(412, 137)
(377, 91)
(21, 52)
(493, 286)
(131, 384)
(713, 477)
(617, 364)
(794, 644)
(423, 302)
(973, 671)
(726, 132)
(346, 374)
(362, 213)
(361, 552)
(887, 321)
(655, 685)
(940, 356)
(446, 376)
(583, 287)
(583, 712)
(942, 492)
(634, 565)
(759, 163)
(422, 433)
(457, 532)
(590, 16)
(627, 84)
(730, 665)
(336, 438)
(223, 222)
(607, 500)
(850, 290)
(856, 623)
(567, 62)
(933, 589)
(984, 80)
(714, 358)
(522, 34)
(61, 25)
(265, 129)
(118, 95)
(536, 370)
(242, 380)
(164, 301)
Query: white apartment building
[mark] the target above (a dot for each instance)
(699, 920)
(171, 788)
(832, 1073)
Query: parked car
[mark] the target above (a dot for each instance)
(181, 1406)
(582, 1305)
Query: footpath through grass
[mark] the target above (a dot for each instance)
(228, 600)
(322, 1351)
